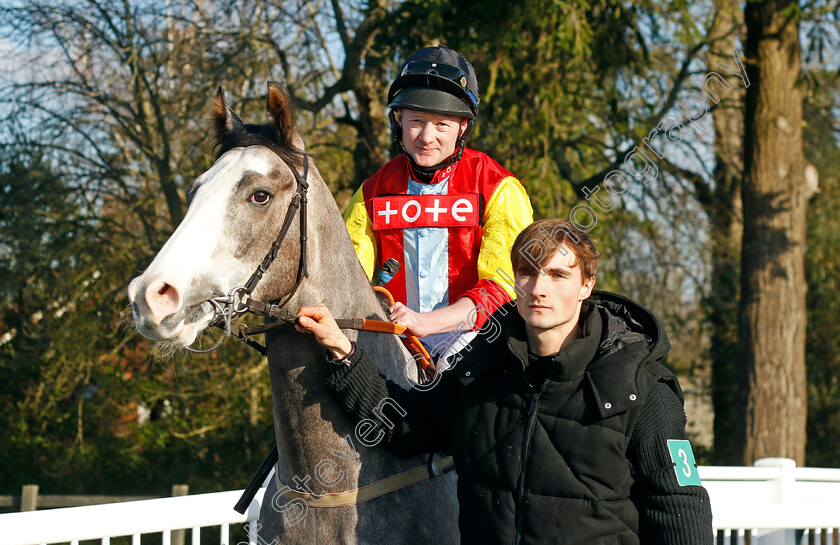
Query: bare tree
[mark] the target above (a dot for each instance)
(110, 92)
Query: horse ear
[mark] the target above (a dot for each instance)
(281, 112)
(225, 120)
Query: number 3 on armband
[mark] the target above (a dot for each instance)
(684, 464)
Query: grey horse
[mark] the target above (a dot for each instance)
(236, 210)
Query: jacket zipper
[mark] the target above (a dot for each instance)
(526, 447)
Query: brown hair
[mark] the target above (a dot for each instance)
(536, 245)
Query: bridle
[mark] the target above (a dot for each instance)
(238, 301)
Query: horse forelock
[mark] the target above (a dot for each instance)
(265, 135)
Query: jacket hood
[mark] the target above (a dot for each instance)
(626, 322)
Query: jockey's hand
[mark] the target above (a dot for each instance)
(320, 322)
(418, 323)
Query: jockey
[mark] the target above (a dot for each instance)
(448, 214)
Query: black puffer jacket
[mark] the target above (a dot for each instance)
(579, 458)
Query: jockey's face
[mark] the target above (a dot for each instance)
(429, 138)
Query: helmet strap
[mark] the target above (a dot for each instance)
(427, 174)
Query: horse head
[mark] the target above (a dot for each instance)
(230, 226)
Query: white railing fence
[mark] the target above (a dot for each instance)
(199, 514)
(772, 503)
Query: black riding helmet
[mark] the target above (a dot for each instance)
(436, 80)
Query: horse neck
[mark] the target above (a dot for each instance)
(336, 277)
(309, 423)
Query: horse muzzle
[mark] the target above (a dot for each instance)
(160, 313)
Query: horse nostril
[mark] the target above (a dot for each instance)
(162, 298)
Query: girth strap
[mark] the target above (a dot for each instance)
(369, 491)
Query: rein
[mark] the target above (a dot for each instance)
(284, 318)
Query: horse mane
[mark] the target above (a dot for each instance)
(252, 134)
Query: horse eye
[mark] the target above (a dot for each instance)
(260, 197)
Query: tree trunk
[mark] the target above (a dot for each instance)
(169, 184)
(372, 144)
(726, 223)
(772, 393)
